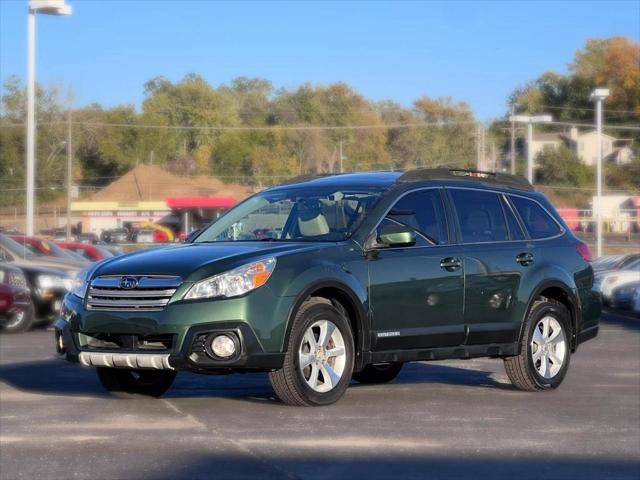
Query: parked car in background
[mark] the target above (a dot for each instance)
(48, 248)
(92, 253)
(115, 235)
(608, 280)
(48, 287)
(144, 235)
(361, 273)
(623, 297)
(614, 262)
(88, 237)
(21, 255)
(636, 302)
(17, 312)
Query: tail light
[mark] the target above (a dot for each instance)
(583, 250)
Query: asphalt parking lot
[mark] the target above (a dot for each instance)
(451, 419)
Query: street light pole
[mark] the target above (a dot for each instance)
(69, 174)
(599, 94)
(48, 7)
(31, 118)
(530, 120)
(530, 152)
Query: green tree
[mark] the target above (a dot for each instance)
(561, 166)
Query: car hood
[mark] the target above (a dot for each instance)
(184, 260)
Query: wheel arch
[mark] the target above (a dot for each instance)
(344, 298)
(561, 292)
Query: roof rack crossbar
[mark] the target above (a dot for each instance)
(495, 178)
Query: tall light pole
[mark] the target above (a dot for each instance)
(47, 7)
(598, 95)
(530, 120)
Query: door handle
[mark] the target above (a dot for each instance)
(524, 259)
(450, 264)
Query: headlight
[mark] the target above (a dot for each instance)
(80, 283)
(234, 282)
(53, 282)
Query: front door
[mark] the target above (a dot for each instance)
(417, 292)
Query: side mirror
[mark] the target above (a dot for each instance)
(191, 235)
(396, 236)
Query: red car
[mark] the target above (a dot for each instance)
(92, 253)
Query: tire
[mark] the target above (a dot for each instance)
(527, 370)
(20, 320)
(378, 373)
(120, 381)
(315, 384)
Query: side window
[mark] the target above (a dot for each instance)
(480, 216)
(536, 220)
(515, 230)
(423, 211)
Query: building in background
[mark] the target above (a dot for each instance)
(584, 144)
(149, 194)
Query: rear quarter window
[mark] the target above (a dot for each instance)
(537, 221)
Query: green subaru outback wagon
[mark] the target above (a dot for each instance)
(332, 278)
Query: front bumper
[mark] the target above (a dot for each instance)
(191, 357)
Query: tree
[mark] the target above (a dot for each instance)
(561, 166)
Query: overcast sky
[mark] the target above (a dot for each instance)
(477, 52)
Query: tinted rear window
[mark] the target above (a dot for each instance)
(480, 216)
(537, 221)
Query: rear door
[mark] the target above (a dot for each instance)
(495, 258)
(416, 292)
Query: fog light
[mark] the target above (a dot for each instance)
(223, 346)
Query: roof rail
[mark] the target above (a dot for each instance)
(305, 177)
(494, 178)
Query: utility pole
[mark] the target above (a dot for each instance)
(513, 141)
(69, 173)
(598, 95)
(341, 158)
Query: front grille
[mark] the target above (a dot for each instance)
(131, 292)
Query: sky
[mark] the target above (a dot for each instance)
(476, 52)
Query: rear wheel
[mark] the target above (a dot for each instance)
(144, 382)
(319, 359)
(545, 348)
(378, 373)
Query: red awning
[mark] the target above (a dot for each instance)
(177, 203)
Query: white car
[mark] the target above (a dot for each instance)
(608, 280)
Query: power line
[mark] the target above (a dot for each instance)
(551, 107)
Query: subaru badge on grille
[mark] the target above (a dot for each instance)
(128, 283)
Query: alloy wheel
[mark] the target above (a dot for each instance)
(322, 356)
(548, 347)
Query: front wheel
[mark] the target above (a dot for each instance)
(319, 360)
(545, 349)
(144, 382)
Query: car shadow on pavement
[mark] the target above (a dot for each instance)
(55, 377)
(389, 465)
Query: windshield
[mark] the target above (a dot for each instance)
(14, 247)
(326, 214)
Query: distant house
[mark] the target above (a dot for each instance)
(585, 145)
